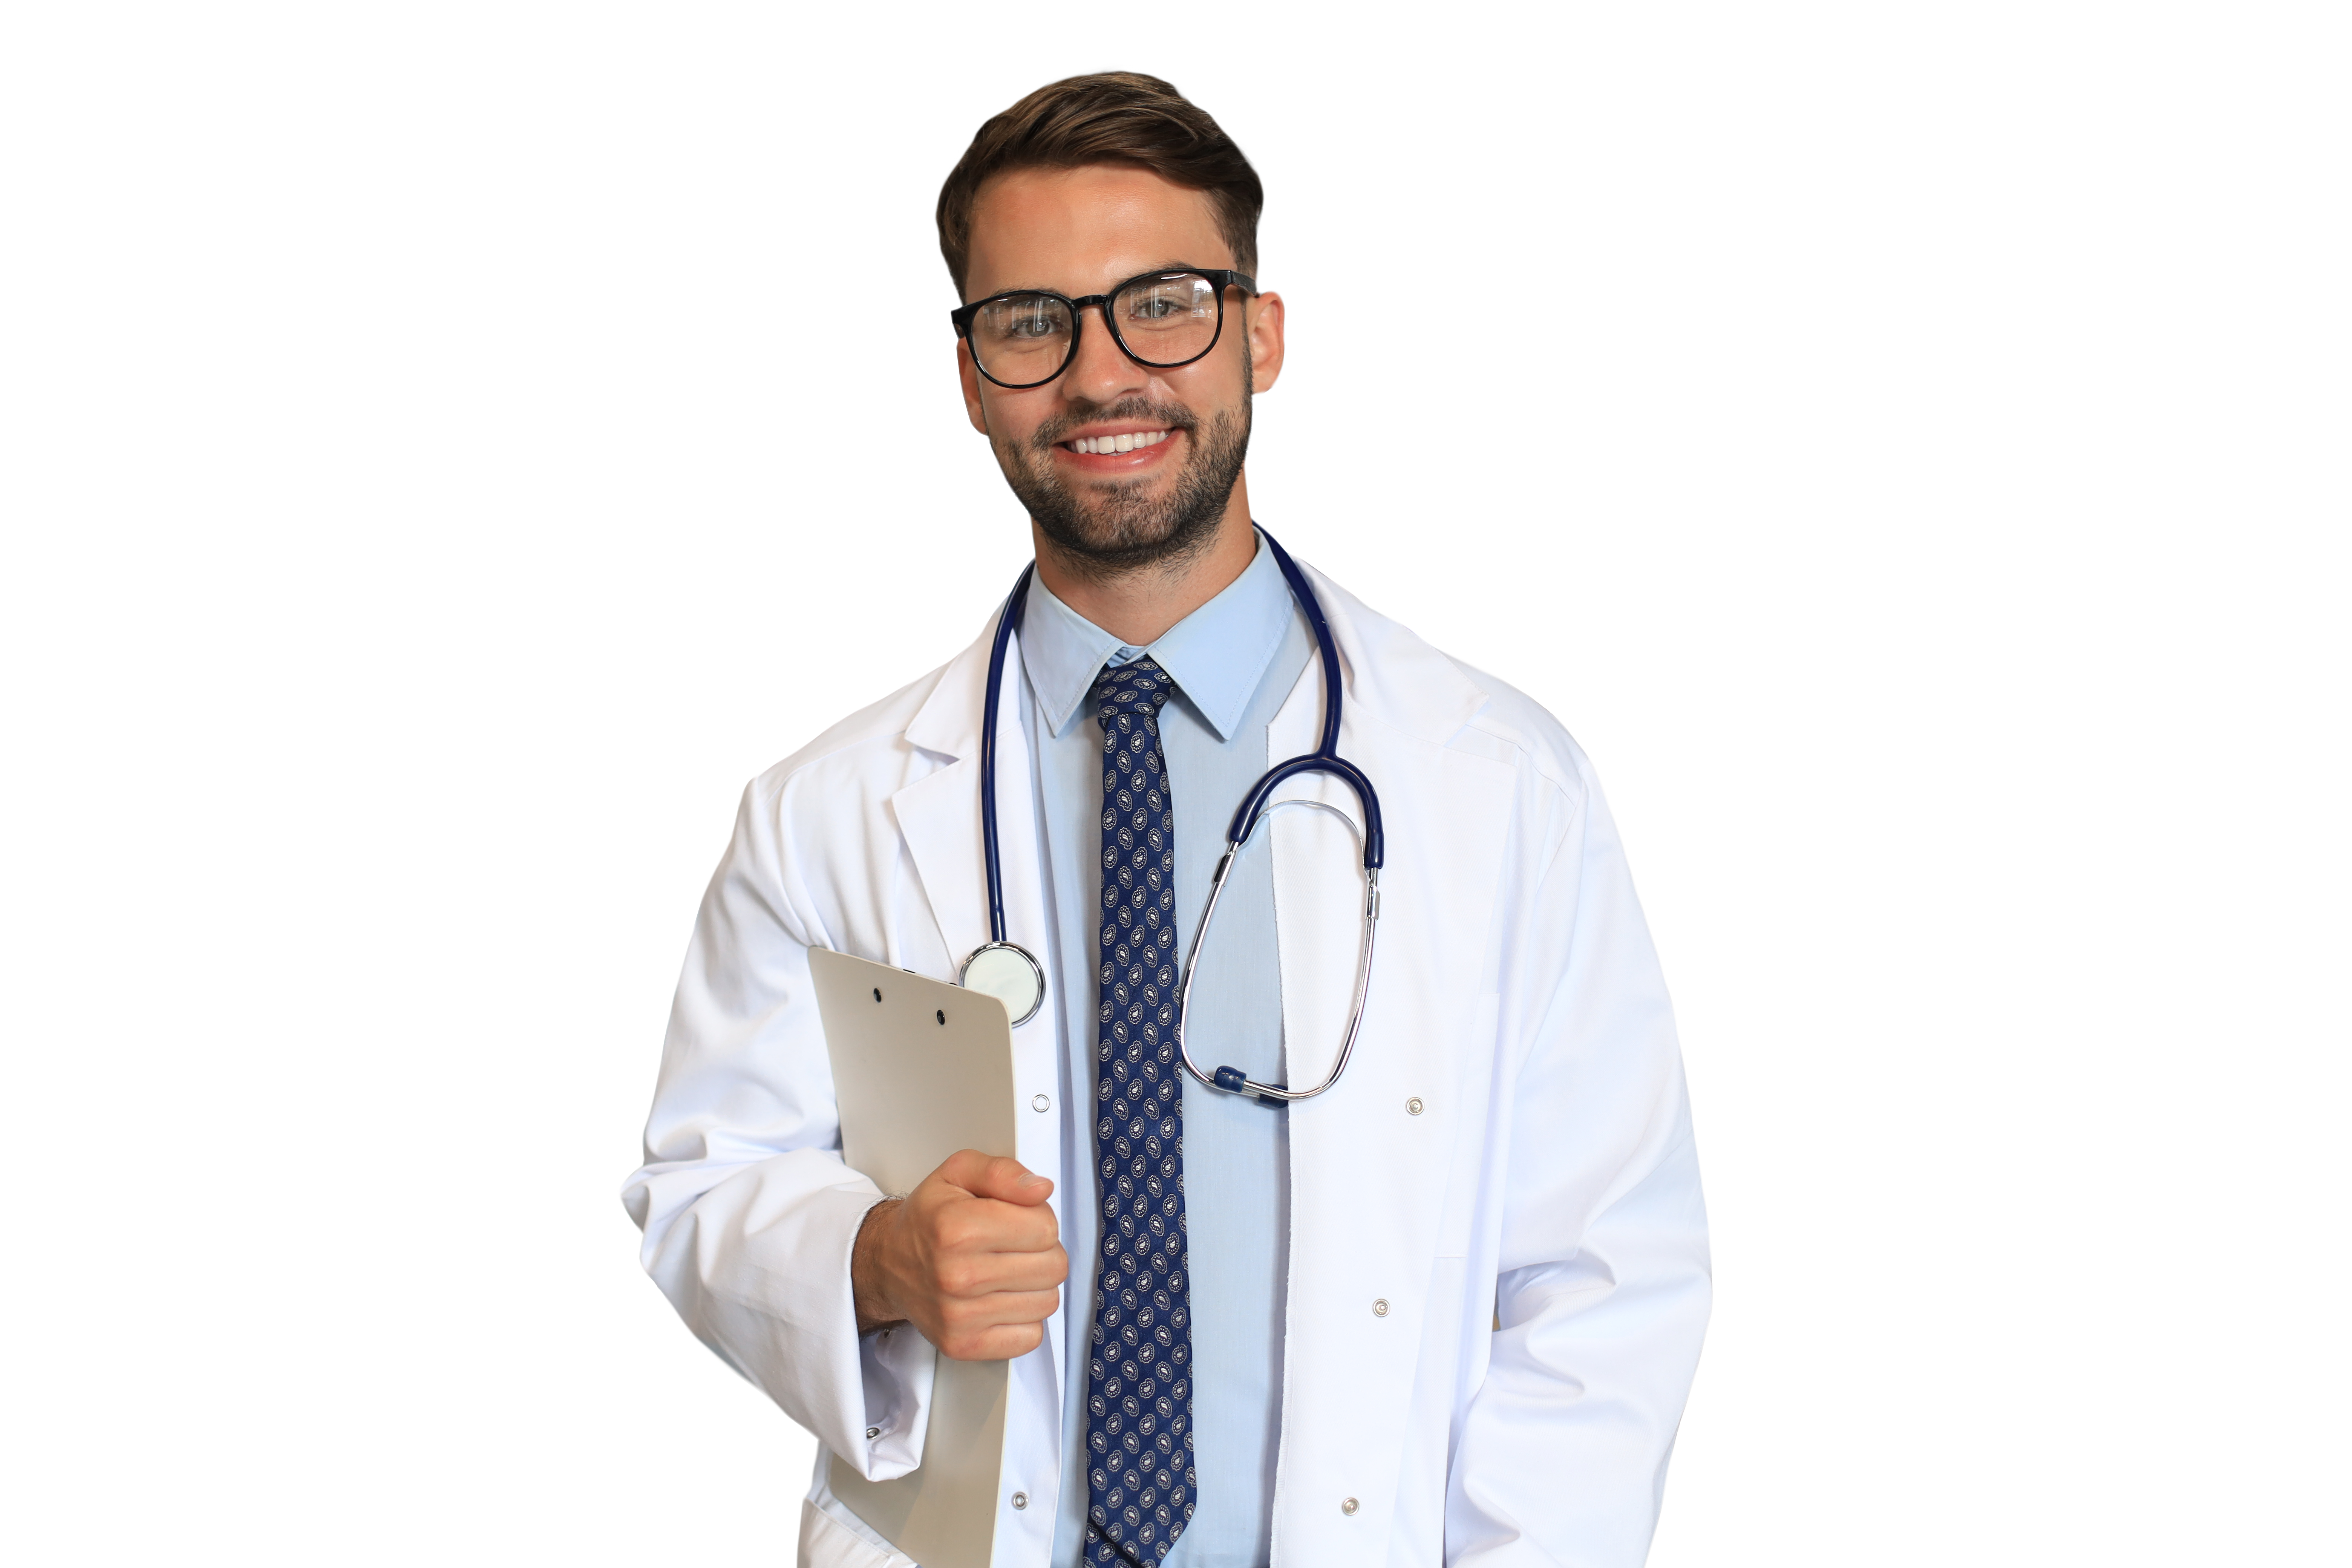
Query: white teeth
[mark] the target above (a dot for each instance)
(1128, 443)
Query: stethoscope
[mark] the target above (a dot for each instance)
(1010, 973)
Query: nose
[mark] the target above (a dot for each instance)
(1100, 372)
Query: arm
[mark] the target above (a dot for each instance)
(1602, 1285)
(779, 1256)
(748, 1212)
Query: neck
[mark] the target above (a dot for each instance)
(1139, 605)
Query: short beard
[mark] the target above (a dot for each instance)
(1123, 531)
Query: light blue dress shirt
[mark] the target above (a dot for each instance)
(1234, 661)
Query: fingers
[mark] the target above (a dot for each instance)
(1046, 1269)
(966, 1271)
(994, 1328)
(983, 1225)
(1003, 1343)
(967, 1276)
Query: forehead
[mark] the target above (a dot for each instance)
(1082, 230)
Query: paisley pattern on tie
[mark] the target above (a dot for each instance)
(1141, 1483)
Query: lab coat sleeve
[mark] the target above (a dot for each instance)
(748, 1212)
(1602, 1276)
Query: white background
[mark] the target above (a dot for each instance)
(446, 450)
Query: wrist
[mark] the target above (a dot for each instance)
(868, 1278)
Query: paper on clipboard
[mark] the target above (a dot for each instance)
(920, 1070)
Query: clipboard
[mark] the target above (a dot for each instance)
(920, 1070)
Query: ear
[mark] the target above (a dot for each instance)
(969, 374)
(1264, 316)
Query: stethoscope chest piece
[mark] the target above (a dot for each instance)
(1005, 971)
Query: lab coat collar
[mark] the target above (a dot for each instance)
(1389, 674)
(1386, 672)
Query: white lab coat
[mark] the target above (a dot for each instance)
(1511, 1145)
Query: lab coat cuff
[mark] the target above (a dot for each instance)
(882, 1438)
(897, 1365)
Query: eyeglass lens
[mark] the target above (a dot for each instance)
(1022, 340)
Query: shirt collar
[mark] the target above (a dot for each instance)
(1217, 655)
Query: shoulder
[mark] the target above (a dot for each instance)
(1541, 743)
(1399, 676)
(864, 756)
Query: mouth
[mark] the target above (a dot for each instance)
(1107, 449)
(1127, 441)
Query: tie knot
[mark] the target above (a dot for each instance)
(1139, 687)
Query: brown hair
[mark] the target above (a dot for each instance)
(1113, 117)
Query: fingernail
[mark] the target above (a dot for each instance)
(1033, 1181)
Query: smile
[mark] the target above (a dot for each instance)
(1128, 442)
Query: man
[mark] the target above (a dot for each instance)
(1447, 1311)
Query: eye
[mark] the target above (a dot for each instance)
(1158, 305)
(1166, 302)
(1024, 319)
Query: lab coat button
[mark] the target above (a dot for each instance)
(1347, 1506)
(1412, 1107)
(1380, 1308)
(1020, 1500)
(1041, 1103)
(872, 1433)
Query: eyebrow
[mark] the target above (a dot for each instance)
(1049, 289)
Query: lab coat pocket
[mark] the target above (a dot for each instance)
(826, 1542)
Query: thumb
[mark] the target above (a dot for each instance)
(1004, 1178)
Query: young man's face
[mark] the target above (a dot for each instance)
(1086, 231)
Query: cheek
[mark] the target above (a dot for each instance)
(1207, 388)
(1013, 417)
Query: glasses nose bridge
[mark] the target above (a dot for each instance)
(1100, 305)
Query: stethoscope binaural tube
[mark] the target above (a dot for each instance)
(1009, 971)
(1005, 970)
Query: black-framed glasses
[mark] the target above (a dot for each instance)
(1026, 337)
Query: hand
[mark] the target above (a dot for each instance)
(972, 1258)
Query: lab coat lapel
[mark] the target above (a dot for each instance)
(938, 814)
(1395, 729)
(1368, 1157)
(938, 818)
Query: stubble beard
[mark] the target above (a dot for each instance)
(1115, 529)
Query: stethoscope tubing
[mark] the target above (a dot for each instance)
(1015, 602)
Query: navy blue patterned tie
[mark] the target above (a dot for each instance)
(1140, 1486)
